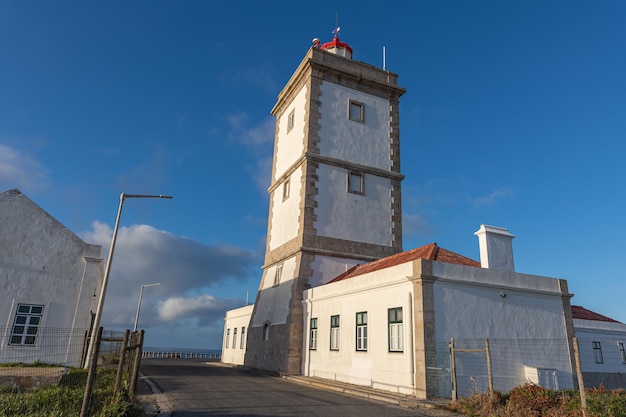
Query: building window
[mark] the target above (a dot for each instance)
(26, 324)
(356, 111)
(597, 352)
(313, 342)
(396, 338)
(622, 353)
(266, 331)
(355, 183)
(361, 331)
(234, 338)
(290, 120)
(279, 272)
(243, 337)
(227, 338)
(334, 332)
(286, 189)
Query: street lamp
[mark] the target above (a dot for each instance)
(139, 304)
(105, 280)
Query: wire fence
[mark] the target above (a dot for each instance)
(463, 367)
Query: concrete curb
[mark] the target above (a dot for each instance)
(401, 400)
(155, 403)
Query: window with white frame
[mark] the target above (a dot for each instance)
(290, 120)
(355, 183)
(356, 111)
(597, 352)
(277, 274)
(227, 338)
(234, 338)
(26, 324)
(396, 337)
(243, 337)
(361, 331)
(622, 352)
(286, 189)
(313, 338)
(334, 332)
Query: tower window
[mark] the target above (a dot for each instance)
(356, 111)
(234, 338)
(286, 189)
(26, 324)
(355, 183)
(279, 272)
(290, 120)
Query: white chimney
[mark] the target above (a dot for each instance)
(496, 248)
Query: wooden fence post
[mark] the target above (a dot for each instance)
(489, 370)
(91, 375)
(581, 382)
(138, 347)
(120, 365)
(452, 369)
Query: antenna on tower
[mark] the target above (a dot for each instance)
(384, 58)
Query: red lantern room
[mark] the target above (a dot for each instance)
(337, 47)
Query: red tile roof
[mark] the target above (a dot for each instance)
(430, 252)
(582, 313)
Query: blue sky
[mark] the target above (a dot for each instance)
(513, 116)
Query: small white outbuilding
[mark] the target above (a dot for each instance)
(49, 281)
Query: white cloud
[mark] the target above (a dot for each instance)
(19, 169)
(190, 274)
(490, 199)
(183, 307)
(259, 135)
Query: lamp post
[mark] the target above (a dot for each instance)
(107, 271)
(139, 304)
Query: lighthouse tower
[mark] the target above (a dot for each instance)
(335, 198)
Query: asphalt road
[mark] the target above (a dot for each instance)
(194, 388)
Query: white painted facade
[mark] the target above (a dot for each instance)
(236, 325)
(286, 210)
(44, 265)
(468, 304)
(610, 336)
(275, 295)
(290, 142)
(345, 215)
(365, 143)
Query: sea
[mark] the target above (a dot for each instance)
(180, 350)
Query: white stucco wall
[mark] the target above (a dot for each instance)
(521, 314)
(609, 335)
(236, 319)
(325, 268)
(343, 215)
(43, 263)
(366, 143)
(285, 221)
(374, 293)
(273, 300)
(290, 144)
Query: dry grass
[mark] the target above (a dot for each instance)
(534, 401)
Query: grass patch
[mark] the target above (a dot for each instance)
(534, 401)
(66, 399)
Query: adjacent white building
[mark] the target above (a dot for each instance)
(49, 279)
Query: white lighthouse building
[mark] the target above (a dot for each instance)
(335, 198)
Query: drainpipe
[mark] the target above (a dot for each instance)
(412, 340)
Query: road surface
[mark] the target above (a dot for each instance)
(195, 388)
